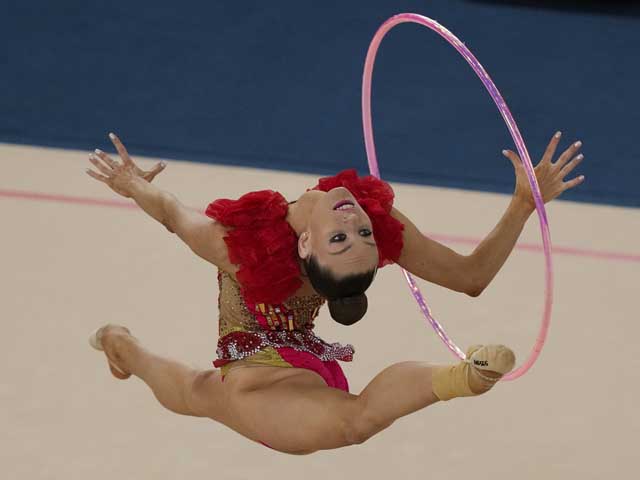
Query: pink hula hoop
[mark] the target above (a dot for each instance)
(522, 150)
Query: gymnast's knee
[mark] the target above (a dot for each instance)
(363, 424)
(199, 396)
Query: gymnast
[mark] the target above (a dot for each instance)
(275, 381)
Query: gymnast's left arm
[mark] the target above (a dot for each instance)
(472, 273)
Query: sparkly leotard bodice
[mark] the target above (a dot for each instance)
(246, 328)
(258, 308)
(235, 315)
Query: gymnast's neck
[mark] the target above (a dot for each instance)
(299, 212)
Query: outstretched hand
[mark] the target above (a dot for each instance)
(550, 175)
(120, 176)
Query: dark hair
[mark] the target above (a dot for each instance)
(347, 301)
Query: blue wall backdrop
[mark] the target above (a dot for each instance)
(277, 85)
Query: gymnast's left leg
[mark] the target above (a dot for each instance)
(301, 415)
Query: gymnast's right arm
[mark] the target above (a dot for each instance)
(203, 235)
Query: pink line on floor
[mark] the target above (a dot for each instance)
(557, 250)
(47, 197)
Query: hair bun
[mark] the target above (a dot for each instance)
(348, 310)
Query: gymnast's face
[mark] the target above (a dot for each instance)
(339, 235)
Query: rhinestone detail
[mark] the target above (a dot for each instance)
(239, 345)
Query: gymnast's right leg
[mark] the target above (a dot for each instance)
(173, 383)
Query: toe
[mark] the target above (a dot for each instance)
(94, 339)
(494, 358)
(507, 357)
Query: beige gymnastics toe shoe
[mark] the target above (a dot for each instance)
(491, 358)
(488, 365)
(95, 340)
(484, 366)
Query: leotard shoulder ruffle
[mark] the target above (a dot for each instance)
(262, 243)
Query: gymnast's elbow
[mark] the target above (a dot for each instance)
(469, 277)
(474, 289)
(475, 293)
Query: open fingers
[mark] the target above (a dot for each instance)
(568, 154)
(124, 155)
(566, 169)
(513, 156)
(572, 183)
(151, 174)
(106, 158)
(99, 165)
(551, 148)
(97, 176)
